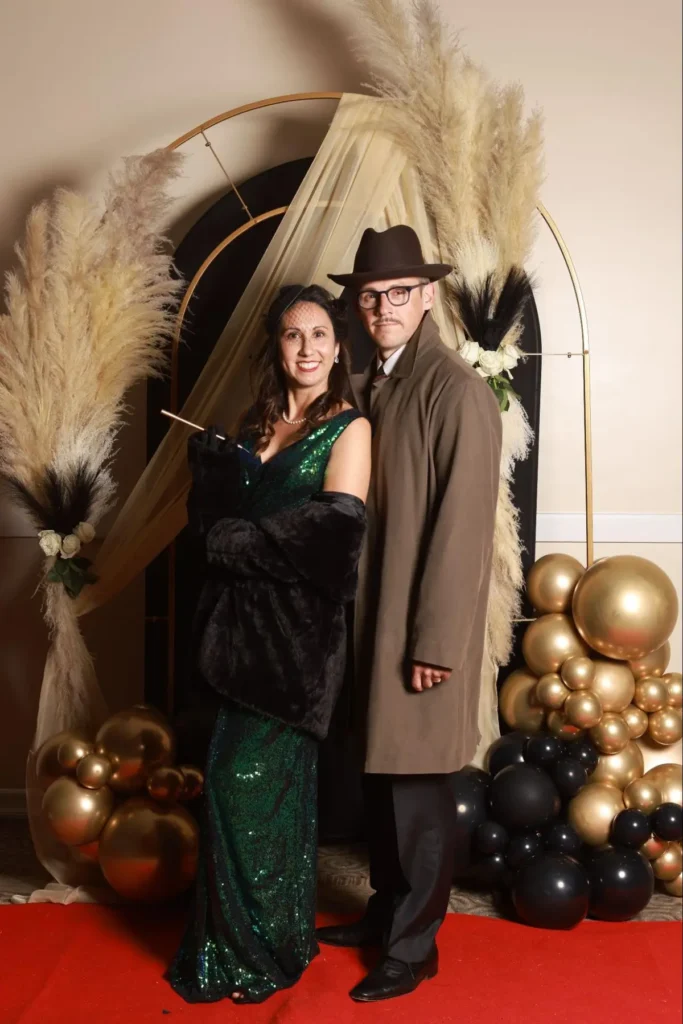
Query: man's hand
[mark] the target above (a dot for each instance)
(426, 676)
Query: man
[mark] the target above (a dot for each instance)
(421, 610)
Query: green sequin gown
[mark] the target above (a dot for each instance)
(252, 923)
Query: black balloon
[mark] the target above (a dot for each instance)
(491, 871)
(667, 822)
(542, 750)
(491, 838)
(561, 837)
(523, 798)
(621, 884)
(477, 776)
(521, 848)
(569, 776)
(584, 751)
(507, 750)
(551, 891)
(470, 811)
(630, 828)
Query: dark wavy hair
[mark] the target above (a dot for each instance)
(269, 380)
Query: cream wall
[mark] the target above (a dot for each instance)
(85, 81)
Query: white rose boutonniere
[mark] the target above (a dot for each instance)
(470, 352)
(71, 545)
(85, 532)
(50, 543)
(491, 363)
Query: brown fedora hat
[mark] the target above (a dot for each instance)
(383, 255)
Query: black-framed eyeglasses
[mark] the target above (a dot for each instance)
(398, 295)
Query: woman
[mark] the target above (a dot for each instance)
(282, 514)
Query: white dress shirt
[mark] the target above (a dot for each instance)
(388, 365)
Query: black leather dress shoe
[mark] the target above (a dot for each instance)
(358, 934)
(391, 978)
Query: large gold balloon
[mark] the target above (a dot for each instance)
(636, 720)
(642, 795)
(93, 771)
(551, 582)
(675, 888)
(654, 664)
(653, 847)
(71, 751)
(577, 672)
(549, 641)
(614, 684)
(669, 864)
(650, 694)
(516, 702)
(611, 734)
(148, 851)
(668, 778)
(165, 784)
(48, 767)
(583, 709)
(592, 811)
(193, 782)
(673, 682)
(666, 726)
(76, 815)
(620, 769)
(550, 691)
(561, 728)
(625, 607)
(136, 742)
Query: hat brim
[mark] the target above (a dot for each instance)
(433, 271)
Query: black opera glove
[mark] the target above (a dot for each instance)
(214, 463)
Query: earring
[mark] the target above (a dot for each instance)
(336, 359)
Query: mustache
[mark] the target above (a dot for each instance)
(386, 320)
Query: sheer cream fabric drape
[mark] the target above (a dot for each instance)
(358, 179)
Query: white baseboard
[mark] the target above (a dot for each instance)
(609, 528)
(12, 803)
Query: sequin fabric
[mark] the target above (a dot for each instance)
(252, 922)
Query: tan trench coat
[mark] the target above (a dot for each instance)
(426, 567)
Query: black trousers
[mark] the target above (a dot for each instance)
(411, 839)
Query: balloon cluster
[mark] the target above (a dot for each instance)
(117, 802)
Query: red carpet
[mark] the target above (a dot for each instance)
(60, 965)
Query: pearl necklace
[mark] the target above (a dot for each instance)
(293, 423)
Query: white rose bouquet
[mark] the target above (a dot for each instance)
(493, 365)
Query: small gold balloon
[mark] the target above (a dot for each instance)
(668, 778)
(642, 795)
(550, 691)
(673, 681)
(675, 888)
(669, 864)
(193, 779)
(549, 641)
(76, 815)
(93, 771)
(625, 607)
(613, 683)
(650, 694)
(578, 672)
(583, 709)
(666, 726)
(136, 742)
(551, 582)
(48, 767)
(636, 720)
(592, 811)
(71, 751)
(653, 847)
(611, 734)
(561, 728)
(620, 769)
(654, 664)
(516, 702)
(165, 784)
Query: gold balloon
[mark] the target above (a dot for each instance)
(592, 811)
(614, 684)
(76, 815)
(165, 784)
(650, 694)
(551, 582)
(675, 888)
(620, 769)
(583, 709)
(642, 795)
(136, 742)
(561, 728)
(550, 691)
(89, 853)
(549, 641)
(654, 664)
(516, 702)
(625, 607)
(48, 767)
(673, 681)
(636, 720)
(666, 726)
(93, 771)
(148, 851)
(654, 847)
(71, 751)
(669, 864)
(668, 778)
(193, 779)
(578, 672)
(611, 734)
